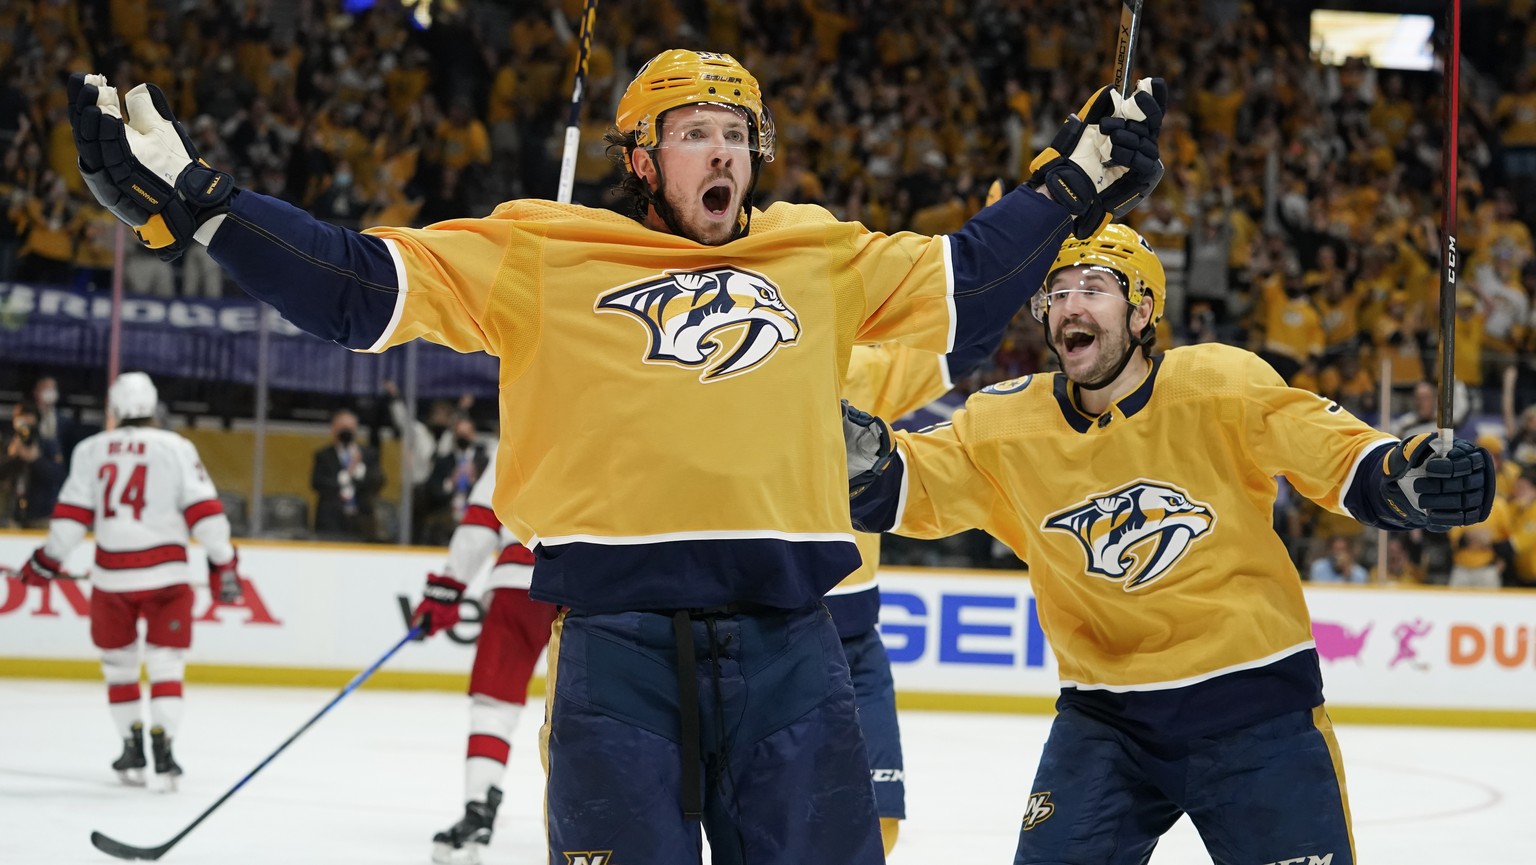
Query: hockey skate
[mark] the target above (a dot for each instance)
(167, 773)
(463, 842)
(130, 766)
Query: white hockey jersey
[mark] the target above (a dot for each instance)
(480, 535)
(144, 493)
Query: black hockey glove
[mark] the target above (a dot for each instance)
(1104, 160)
(1429, 491)
(868, 442)
(146, 171)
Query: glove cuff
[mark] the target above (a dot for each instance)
(46, 563)
(442, 589)
(206, 191)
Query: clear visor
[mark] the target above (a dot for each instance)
(712, 130)
(1089, 284)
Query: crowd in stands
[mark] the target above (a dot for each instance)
(1299, 217)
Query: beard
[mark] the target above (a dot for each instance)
(688, 213)
(1095, 370)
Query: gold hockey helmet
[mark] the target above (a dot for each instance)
(680, 77)
(1118, 248)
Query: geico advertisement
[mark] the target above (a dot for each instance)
(339, 607)
(951, 633)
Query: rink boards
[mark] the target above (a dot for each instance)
(969, 640)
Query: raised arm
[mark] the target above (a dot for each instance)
(337, 284)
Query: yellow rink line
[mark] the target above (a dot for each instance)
(221, 674)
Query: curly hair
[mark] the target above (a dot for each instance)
(631, 191)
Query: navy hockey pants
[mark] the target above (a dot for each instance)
(781, 764)
(1269, 793)
(876, 694)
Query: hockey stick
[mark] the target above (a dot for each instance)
(126, 851)
(1445, 410)
(573, 125)
(1125, 51)
(7, 572)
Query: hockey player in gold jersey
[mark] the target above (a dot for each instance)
(669, 449)
(1139, 488)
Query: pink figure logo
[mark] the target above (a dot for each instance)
(1406, 634)
(1335, 642)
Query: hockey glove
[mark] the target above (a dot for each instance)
(146, 171)
(439, 607)
(41, 568)
(1104, 160)
(868, 442)
(224, 581)
(1431, 491)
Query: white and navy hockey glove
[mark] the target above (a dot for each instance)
(146, 171)
(868, 442)
(1105, 160)
(1431, 491)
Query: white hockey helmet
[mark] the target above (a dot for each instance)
(132, 396)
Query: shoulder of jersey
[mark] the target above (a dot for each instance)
(1216, 367)
(541, 210)
(782, 215)
(1015, 385)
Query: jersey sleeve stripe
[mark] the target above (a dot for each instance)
(402, 288)
(480, 515)
(83, 516)
(196, 513)
(1354, 472)
(949, 294)
(133, 560)
(901, 492)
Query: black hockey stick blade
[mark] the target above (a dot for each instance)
(127, 851)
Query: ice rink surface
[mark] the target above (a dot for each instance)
(375, 778)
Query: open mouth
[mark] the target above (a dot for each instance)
(1076, 340)
(716, 199)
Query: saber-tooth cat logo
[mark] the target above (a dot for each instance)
(1038, 809)
(688, 313)
(1116, 529)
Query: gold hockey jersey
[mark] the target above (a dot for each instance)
(709, 355)
(1148, 529)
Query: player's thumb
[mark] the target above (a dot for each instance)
(144, 115)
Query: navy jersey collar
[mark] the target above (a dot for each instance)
(1129, 404)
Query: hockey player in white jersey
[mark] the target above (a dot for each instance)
(513, 633)
(143, 491)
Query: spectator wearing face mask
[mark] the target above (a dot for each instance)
(31, 471)
(52, 426)
(453, 474)
(346, 478)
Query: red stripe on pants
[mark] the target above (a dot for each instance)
(489, 747)
(164, 689)
(123, 693)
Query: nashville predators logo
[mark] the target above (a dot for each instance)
(1038, 809)
(690, 313)
(1136, 533)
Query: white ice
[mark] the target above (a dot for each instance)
(378, 775)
